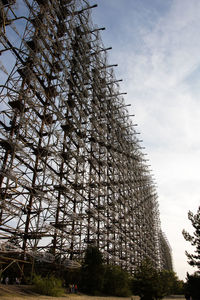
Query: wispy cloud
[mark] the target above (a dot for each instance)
(157, 49)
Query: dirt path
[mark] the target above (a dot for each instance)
(14, 292)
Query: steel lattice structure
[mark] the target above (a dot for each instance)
(166, 252)
(72, 169)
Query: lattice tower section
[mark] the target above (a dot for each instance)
(166, 253)
(72, 170)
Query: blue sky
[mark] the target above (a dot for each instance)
(156, 45)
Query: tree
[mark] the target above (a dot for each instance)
(145, 280)
(194, 259)
(168, 284)
(116, 282)
(150, 283)
(192, 286)
(92, 272)
(178, 287)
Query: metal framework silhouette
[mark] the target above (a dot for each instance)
(72, 171)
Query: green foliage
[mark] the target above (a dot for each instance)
(116, 282)
(178, 287)
(149, 283)
(49, 286)
(168, 283)
(192, 286)
(93, 257)
(194, 259)
(92, 272)
(100, 279)
(145, 281)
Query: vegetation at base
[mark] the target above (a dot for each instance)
(116, 282)
(97, 278)
(92, 272)
(50, 285)
(150, 284)
(100, 279)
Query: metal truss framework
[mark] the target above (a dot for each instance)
(72, 169)
(166, 252)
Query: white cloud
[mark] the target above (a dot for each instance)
(158, 82)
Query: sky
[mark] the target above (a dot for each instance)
(156, 45)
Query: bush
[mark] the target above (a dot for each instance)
(49, 286)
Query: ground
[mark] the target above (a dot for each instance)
(14, 292)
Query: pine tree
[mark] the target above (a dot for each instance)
(194, 259)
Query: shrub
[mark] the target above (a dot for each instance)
(49, 286)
